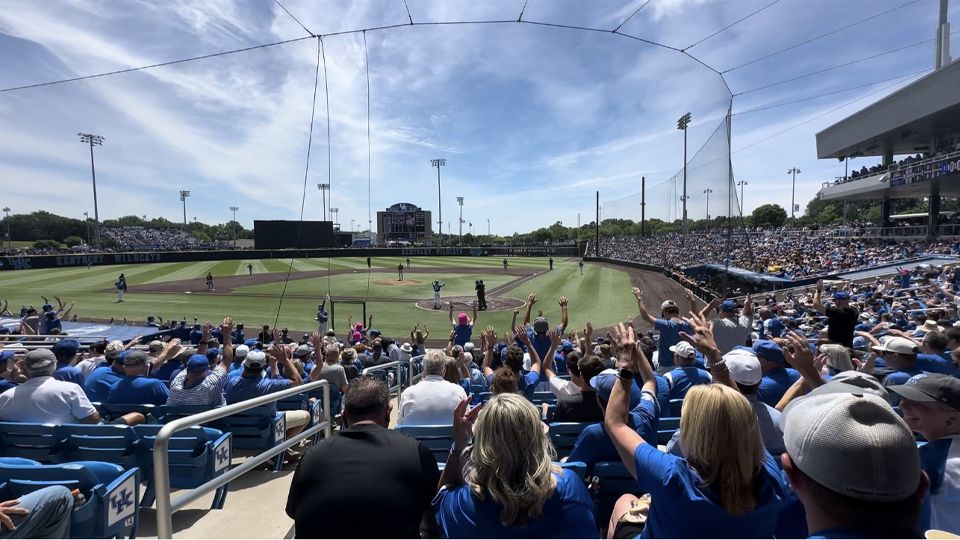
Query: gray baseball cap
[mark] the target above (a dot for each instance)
(854, 445)
(39, 360)
(852, 382)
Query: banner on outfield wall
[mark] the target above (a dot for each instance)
(99, 259)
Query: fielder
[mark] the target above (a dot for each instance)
(121, 285)
(437, 285)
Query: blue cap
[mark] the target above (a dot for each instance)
(768, 350)
(212, 354)
(728, 306)
(604, 382)
(373, 332)
(566, 345)
(198, 363)
(860, 342)
(250, 342)
(5, 355)
(841, 295)
(47, 307)
(66, 347)
(122, 357)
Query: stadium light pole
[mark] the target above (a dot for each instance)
(234, 210)
(93, 140)
(333, 213)
(741, 183)
(183, 198)
(351, 224)
(488, 227)
(324, 188)
(6, 210)
(793, 190)
(682, 124)
(86, 223)
(440, 162)
(460, 234)
(708, 191)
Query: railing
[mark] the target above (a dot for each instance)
(40, 341)
(396, 365)
(411, 378)
(161, 461)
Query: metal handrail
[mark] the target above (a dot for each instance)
(398, 387)
(161, 459)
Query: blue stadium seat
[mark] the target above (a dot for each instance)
(197, 455)
(21, 461)
(112, 411)
(564, 435)
(579, 468)
(255, 429)
(485, 396)
(675, 406)
(610, 480)
(110, 509)
(100, 442)
(666, 427)
(169, 413)
(39, 442)
(543, 397)
(439, 439)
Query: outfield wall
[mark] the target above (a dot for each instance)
(98, 259)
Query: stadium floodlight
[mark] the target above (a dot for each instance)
(333, 213)
(708, 191)
(93, 140)
(793, 190)
(682, 124)
(234, 210)
(460, 235)
(741, 183)
(6, 210)
(488, 226)
(324, 188)
(440, 162)
(183, 198)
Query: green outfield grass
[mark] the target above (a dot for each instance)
(602, 295)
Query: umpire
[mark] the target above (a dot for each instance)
(481, 295)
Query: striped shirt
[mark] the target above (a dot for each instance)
(208, 392)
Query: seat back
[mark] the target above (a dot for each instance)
(196, 454)
(438, 439)
(611, 480)
(112, 411)
(296, 402)
(676, 405)
(100, 442)
(255, 428)
(666, 427)
(169, 413)
(543, 397)
(39, 442)
(563, 435)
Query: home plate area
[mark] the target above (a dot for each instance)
(463, 303)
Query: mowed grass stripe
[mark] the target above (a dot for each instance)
(79, 278)
(191, 271)
(225, 268)
(276, 265)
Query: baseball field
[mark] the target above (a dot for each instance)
(250, 291)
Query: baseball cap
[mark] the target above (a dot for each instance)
(39, 360)
(155, 345)
(854, 445)
(566, 345)
(213, 353)
(255, 360)
(462, 318)
(5, 355)
(407, 348)
(604, 382)
(113, 350)
(770, 351)
(303, 350)
(841, 295)
(540, 325)
(683, 350)
(852, 382)
(198, 363)
(250, 343)
(744, 366)
(930, 387)
(135, 358)
(66, 347)
(728, 306)
(241, 351)
(469, 346)
(667, 303)
(373, 332)
(897, 344)
(47, 307)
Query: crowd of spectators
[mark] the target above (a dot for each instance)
(137, 238)
(827, 412)
(789, 254)
(865, 172)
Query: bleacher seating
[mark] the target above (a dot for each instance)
(97, 442)
(439, 439)
(39, 442)
(197, 455)
(111, 412)
(666, 428)
(564, 435)
(255, 429)
(609, 480)
(111, 493)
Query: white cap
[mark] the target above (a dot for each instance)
(744, 366)
(241, 351)
(255, 360)
(683, 350)
(899, 345)
(469, 346)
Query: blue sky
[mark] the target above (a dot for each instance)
(531, 119)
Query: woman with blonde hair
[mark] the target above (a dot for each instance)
(512, 487)
(727, 480)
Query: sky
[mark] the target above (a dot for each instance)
(532, 119)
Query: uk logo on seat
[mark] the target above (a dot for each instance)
(122, 501)
(222, 456)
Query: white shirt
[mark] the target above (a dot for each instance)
(87, 365)
(563, 388)
(728, 333)
(208, 392)
(944, 504)
(45, 400)
(430, 402)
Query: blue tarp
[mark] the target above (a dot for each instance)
(739, 273)
(87, 333)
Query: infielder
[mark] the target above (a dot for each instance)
(437, 285)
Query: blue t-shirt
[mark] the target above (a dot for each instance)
(568, 513)
(182, 333)
(934, 363)
(685, 378)
(663, 394)
(773, 328)
(167, 370)
(669, 336)
(526, 382)
(69, 374)
(463, 333)
(594, 445)
(243, 388)
(97, 385)
(679, 494)
(138, 390)
(775, 383)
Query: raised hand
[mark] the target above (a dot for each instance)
(638, 294)
(702, 337)
(521, 333)
(623, 338)
(531, 299)
(555, 339)
(539, 313)
(463, 419)
(798, 354)
(563, 301)
(226, 327)
(491, 336)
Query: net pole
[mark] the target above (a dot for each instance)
(731, 190)
(597, 231)
(643, 205)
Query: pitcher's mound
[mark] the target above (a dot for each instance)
(397, 283)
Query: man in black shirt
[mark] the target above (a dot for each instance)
(366, 481)
(841, 317)
(582, 407)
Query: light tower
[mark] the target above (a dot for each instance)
(93, 140)
(793, 190)
(460, 234)
(334, 212)
(234, 210)
(6, 210)
(741, 183)
(708, 191)
(682, 124)
(440, 162)
(183, 198)
(324, 188)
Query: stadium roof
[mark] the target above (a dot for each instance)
(903, 122)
